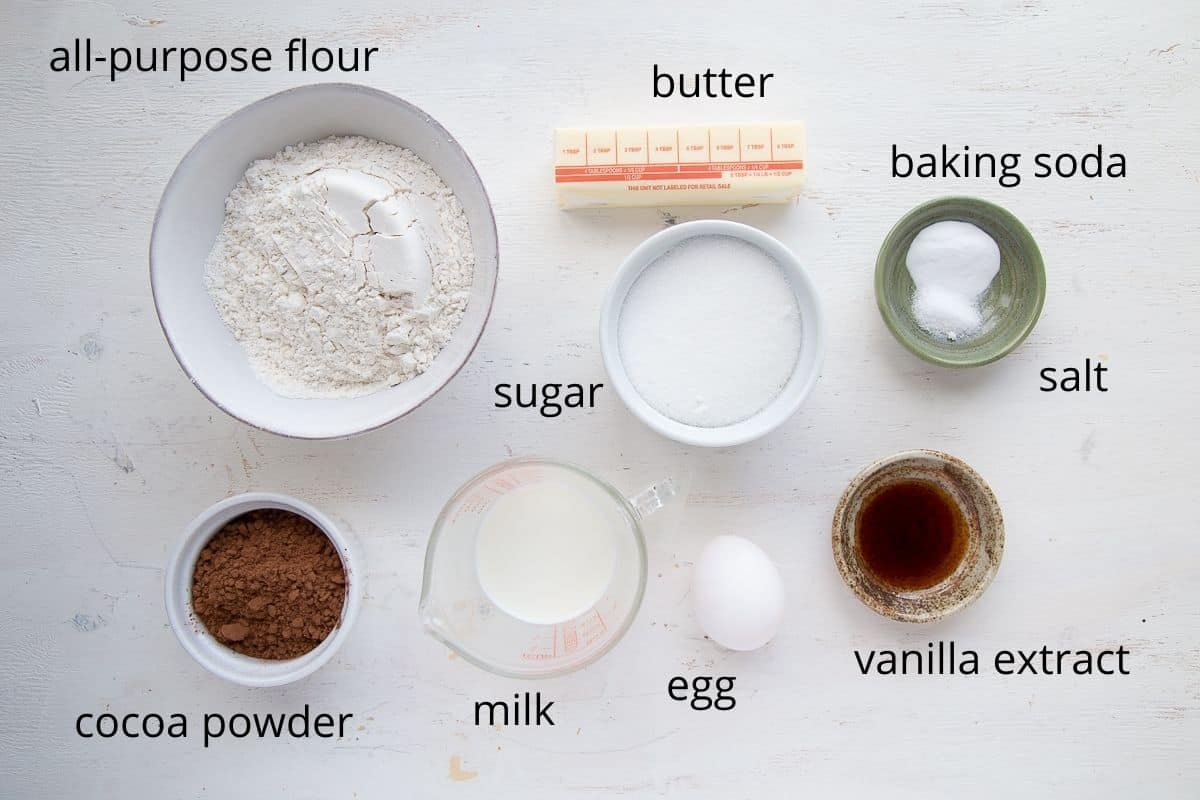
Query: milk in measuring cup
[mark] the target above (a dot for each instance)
(546, 551)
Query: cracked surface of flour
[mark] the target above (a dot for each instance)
(342, 267)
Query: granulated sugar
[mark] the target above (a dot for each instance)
(710, 332)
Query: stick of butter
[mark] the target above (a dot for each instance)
(692, 165)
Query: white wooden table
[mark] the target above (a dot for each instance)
(106, 451)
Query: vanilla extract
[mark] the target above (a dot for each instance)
(946, 658)
(911, 535)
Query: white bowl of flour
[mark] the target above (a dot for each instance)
(323, 261)
(712, 333)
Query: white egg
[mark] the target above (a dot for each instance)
(737, 593)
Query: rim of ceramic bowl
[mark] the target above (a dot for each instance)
(990, 539)
(784, 406)
(1009, 220)
(228, 119)
(195, 638)
(428, 622)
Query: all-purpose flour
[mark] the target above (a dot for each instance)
(343, 266)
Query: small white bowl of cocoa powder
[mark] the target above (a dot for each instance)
(263, 589)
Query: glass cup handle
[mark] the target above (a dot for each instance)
(653, 497)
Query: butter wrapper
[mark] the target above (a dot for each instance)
(691, 165)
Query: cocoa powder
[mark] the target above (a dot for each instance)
(269, 584)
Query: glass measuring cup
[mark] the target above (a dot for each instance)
(457, 609)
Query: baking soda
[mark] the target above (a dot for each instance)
(952, 264)
(710, 332)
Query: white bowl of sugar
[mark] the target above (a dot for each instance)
(230, 361)
(712, 333)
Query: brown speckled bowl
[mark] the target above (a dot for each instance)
(985, 543)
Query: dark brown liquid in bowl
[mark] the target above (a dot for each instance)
(911, 535)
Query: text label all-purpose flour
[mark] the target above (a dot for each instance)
(710, 332)
(343, 266)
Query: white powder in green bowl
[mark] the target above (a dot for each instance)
(952, 264)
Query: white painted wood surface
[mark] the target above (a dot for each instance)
(106, 451)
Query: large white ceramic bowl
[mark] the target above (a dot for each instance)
(804, 374)
(203, 646)
(190, 215)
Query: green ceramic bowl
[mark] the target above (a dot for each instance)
(1011, 305)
